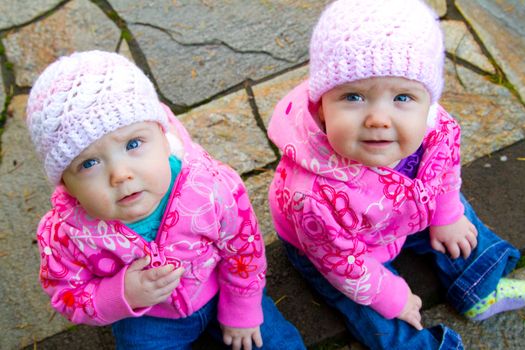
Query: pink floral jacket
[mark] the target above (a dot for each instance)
(348, 218)
(209, 228)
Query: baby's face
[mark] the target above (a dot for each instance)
(376, 121)
(122, 176)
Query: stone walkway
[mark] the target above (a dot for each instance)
(221, 66)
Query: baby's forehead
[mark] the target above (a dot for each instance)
(387, 82)
(143, 126)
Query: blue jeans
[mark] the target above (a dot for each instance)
(465, 280)
(143, 333)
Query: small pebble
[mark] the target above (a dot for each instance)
(487, 165)
(503, 158)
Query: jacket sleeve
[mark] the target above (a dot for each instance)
(75, 291)
(448, 205)
(242, 268)
(345, 260)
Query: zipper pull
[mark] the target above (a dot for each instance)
(421, 191)
(157, 259)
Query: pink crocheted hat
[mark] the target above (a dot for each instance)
(359, 39)
(82, 97)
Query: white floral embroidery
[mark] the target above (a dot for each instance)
(357, 288)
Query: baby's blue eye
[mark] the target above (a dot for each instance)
(132, 144)
(89, 163)
(402, 98)
(353, 97)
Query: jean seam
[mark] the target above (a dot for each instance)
(466, 293)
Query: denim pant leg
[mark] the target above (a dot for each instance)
(145, 333)
(366, 325)
(277, 333)
(467, 281)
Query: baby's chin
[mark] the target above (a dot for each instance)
(385, 164)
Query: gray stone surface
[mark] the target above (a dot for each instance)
(197, 49)
(460, 43)
(440, 6)
(494, 187)
(491, 117)
(77, 26)
(24, 197)
(267, 94)
(18, 12)
(2, 92)
(499, 24)
(227, 129)
(503, 331)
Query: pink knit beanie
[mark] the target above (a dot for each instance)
(82, 97)
(359, 39)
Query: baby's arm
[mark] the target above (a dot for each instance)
(241, 338)
(143, 288)
(457, 238)
(242, 268)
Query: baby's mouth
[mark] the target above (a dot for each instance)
(130, 198)
(377, 142)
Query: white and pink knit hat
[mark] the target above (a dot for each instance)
(359, 39)
(82, 97)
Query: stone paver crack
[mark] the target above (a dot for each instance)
(213, 42)
(35, 19)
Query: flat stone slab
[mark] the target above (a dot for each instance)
(227, 129)
(499, 25)
(491, 117)
(77, 26)
(460, 43)
(267, 94)
(197, 49)
(15, 13)
(440, 6)
(2, 92)
(24, 198)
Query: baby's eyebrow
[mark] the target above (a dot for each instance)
(122, 137)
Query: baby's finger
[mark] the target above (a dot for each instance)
(173, 276)
(257, 339)
(227, 339)
(473, 241)
(453, 250)
(236, 343)
(179, 272)
(416, 323)
(465, 248)
(473, 229)
(438, 246)
(165, 291)
(139, 264)
(247, 343)
(156, 273)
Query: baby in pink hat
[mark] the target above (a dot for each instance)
(370, 166)
(147, 232)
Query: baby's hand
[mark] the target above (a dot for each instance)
(456, 238)
(241, 338)
(143, 288)
(410, 313)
